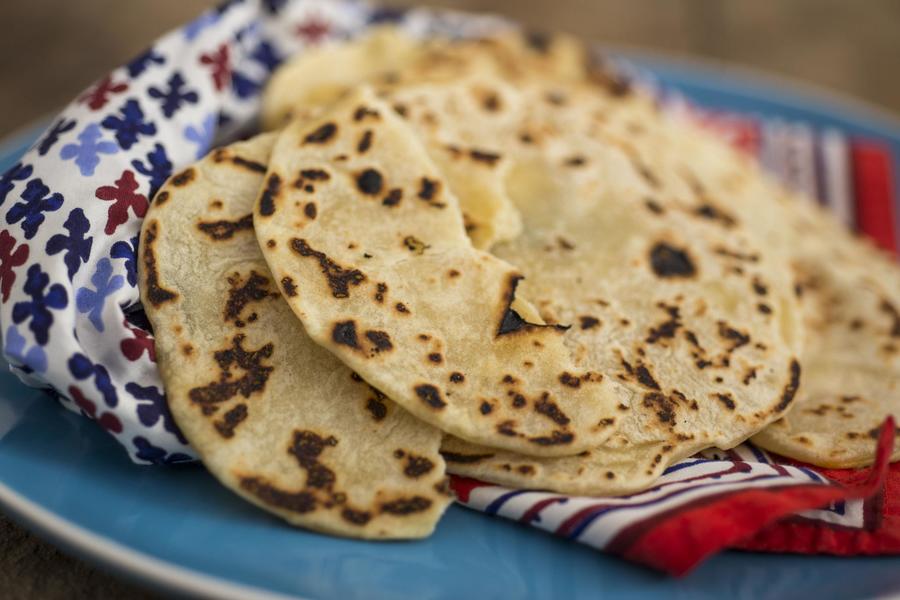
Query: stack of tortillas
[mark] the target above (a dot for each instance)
(487, 258)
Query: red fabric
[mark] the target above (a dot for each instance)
(802, 536)
(675, 543)
(741, 132)
(874, 190)
(463, 486)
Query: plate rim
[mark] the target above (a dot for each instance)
(147, 570)
(746, 78)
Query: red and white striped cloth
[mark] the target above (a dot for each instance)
(746, 498)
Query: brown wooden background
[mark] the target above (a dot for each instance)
(51, 50)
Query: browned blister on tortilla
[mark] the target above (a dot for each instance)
(276, 418)
(388, 281)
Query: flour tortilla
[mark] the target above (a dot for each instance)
(458, 122)
(666, 290)
(386, 279)
(601, 471)
(319, 76)
(275, 418)
(850, 294)
(473, 103)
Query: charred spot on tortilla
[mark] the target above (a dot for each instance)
(750, 257)
(430, 395)
(381, 341)
(416, 466)
(250, 165)
(713, 213)
(241, 293)
(662, 406)
(339, 278)
(356, 517)
(380, 290)
(507, 428)
(289, 287)
(654, 207)
(377, 407)
(306, 447)
(161, 198)
(564, 243)
(491, 102)
(556, 438)
(570, 380)
(489, 158)
(401, 109)
(429, 189)
(736, 337)
(270, 193)
(230, 421)
(224, 229)
(321, 135)
(894, 314)
(344, 333)
(539, 41)
(365, 141)
(362, 113)
(406, 506)
(393, 197)
(256, 374)
(415, 245)
(299, 502)
(759, 287)
(555, 97)
(619, 85)
(156, 294)
(455, 457)
(790, 389)
(726, 400)
(668, 328)
(184, 178)
(645, 378)
(512, 322)
(369, 182)
(669, 261)
(545, 406)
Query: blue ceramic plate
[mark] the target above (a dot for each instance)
(175, 528)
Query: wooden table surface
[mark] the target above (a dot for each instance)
(52, 50)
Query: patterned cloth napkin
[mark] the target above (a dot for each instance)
(72, 323)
